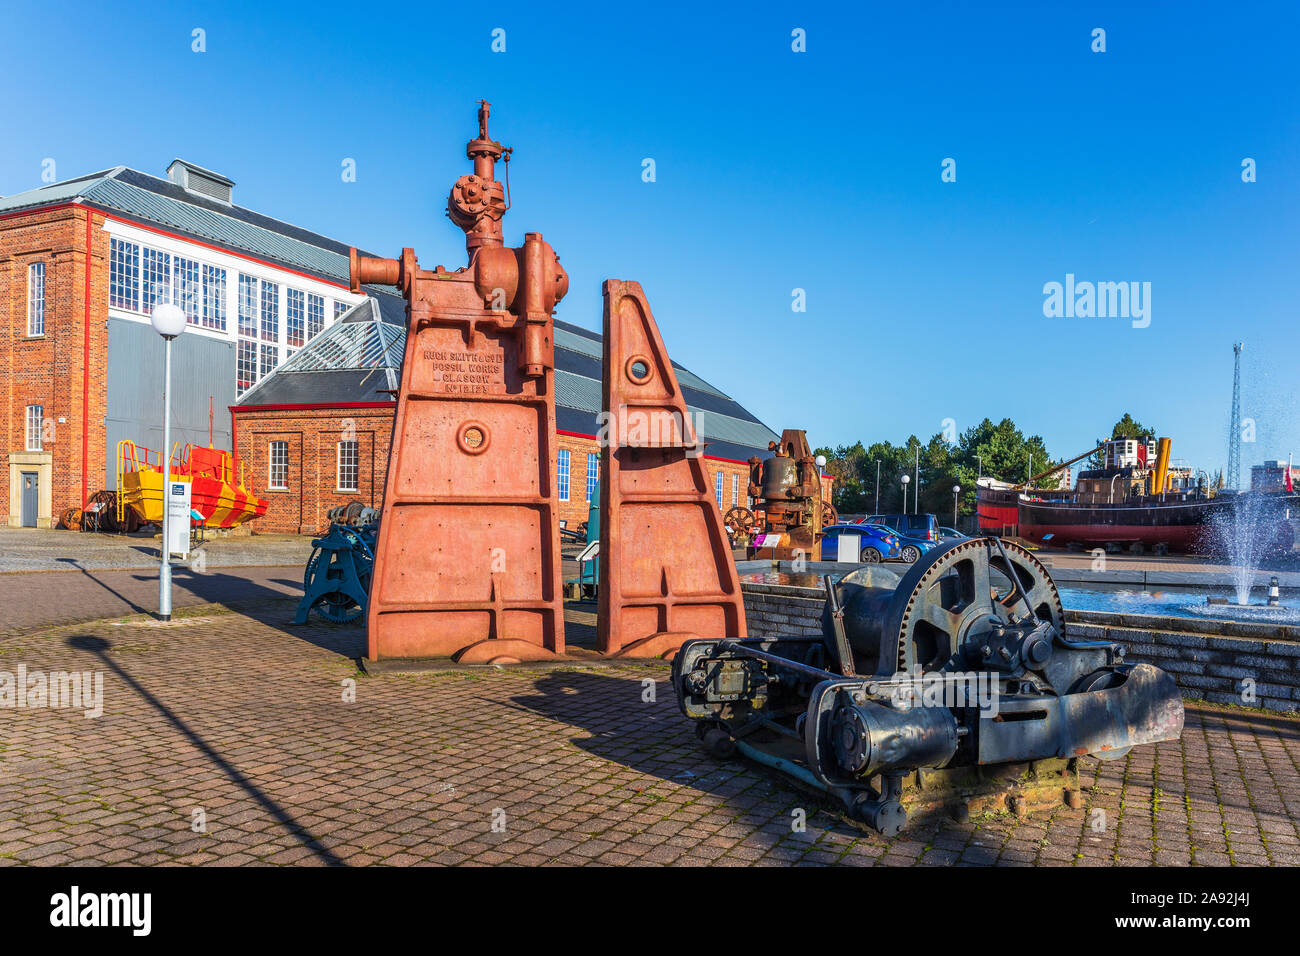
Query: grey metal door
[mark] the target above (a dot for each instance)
(31, 498)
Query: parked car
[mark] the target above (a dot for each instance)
(925, 527)
(876, 544)
(950, 534)
(910, 547)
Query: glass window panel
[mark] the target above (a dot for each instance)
(270, 359)
(293, 317)
(155, 278)
(270, 312)
(124, 275)
(35, 419)
(36, 298)
(245, 365)
(187, 288)
(214, 298)
(347, 466)
(315, 315)
(279, 465)
(563, 483)
(248, 304)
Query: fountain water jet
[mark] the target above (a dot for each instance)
(1243, 536)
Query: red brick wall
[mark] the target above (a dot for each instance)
(313, 435)
(50, 370)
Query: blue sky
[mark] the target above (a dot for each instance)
(775, 170)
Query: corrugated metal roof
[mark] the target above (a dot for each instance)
(577, 391)
(565, 339)
(57, 192)
(159, 201)
(208, 224)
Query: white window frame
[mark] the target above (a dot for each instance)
(222, 317)
(35, 302)
(355, 465)
(718, 483)
(242, 344)
(735, 490)
(35, 425)
(129, 258)
(295, 306)
(593, 472)
(271, 464)
(562, 474)
(315, 307)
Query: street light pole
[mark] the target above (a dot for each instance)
(906, 479)
(916, 491)
(168, 321)
(165, 571)
(877, 486)
(956, 490)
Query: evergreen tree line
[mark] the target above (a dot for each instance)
(1000, 451)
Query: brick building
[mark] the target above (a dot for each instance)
(298, 369)
(83, 262)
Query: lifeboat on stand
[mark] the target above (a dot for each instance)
(216, 496)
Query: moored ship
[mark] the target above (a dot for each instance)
(1137, 501)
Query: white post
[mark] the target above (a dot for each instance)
(165, 570)
(916, 491)
(168, 320)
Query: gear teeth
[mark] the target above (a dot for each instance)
(943, 563)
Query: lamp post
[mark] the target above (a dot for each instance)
(877, 486)
(820, 462)
(906, 479)
(916, 492)
(956, 490)
(168, 321)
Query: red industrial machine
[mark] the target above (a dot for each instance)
(789, 512)
(666, 571)
(468, 560)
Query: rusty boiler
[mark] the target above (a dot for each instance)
(788, 512)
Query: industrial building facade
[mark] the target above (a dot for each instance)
(279, 361)
(82, 263)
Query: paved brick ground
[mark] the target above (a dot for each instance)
(38, 599)
(39, 549)
(243, 718)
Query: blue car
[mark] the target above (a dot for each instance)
(910, 548)
(876, 544)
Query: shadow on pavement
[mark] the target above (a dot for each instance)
(99, 647)
(656, 740)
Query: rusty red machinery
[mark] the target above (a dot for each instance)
(789, 512)
(666, 570)
(468, 561)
